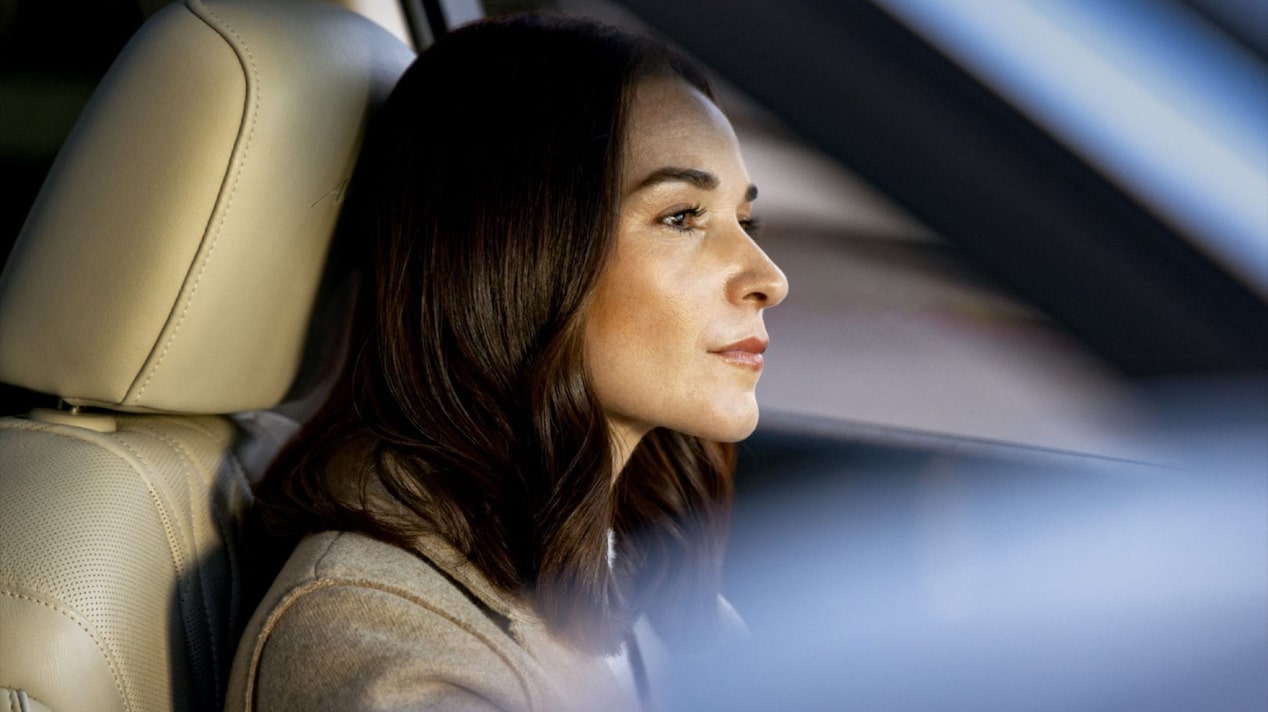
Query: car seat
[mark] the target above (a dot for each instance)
(166, 278)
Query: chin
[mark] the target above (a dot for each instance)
(726, 428)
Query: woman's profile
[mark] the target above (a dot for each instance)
(559, 331)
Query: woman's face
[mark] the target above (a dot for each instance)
(675, 334)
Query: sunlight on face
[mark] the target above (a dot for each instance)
(675, 333)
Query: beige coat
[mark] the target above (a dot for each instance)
(352, 623)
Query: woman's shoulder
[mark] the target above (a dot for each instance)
(354, 623)
(351, 619)
(425, 571)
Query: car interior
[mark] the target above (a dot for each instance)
(164, 281)
(1012, 448)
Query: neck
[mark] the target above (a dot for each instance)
(625, 437)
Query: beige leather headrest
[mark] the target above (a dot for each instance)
(171, 259)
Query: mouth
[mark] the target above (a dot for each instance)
(746, 353)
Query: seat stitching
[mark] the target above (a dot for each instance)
(114, 674)
(149, 486)
(147, 426)
(194, 423)
(177, 559)
(188, 459)
(173, 547)
(253, 89)
(174, 550)
(228, 532)
(225, 521)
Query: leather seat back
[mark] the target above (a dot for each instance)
(165, 278)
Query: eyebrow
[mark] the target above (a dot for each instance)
(700, 179)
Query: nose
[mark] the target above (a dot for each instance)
(760, 281)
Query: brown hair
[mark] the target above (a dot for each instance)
(482, 213)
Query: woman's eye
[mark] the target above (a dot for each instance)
(752, 225)
(683, 220)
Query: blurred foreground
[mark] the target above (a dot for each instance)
(918, 575)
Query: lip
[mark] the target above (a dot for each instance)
(745, 352)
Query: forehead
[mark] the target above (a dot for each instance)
(672, 123)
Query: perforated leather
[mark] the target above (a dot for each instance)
(138, 568)
(168, 268)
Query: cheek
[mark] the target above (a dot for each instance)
(641, 336)
(640, 311)
(647, 339)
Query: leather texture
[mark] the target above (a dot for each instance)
(171, 259)
(117, 566)
(169, 268)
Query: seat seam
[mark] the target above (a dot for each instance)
(191, 467)
(224, 520)
(193, 423)
(149, 486)
(101, 441)
(172, 544)
(253, 96)
(114, 674)
(173, 547)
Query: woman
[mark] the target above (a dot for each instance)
(561, 321)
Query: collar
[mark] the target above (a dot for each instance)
(453, 565)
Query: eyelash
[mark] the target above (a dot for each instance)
(678, 220)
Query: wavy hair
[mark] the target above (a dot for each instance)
(481, 214)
